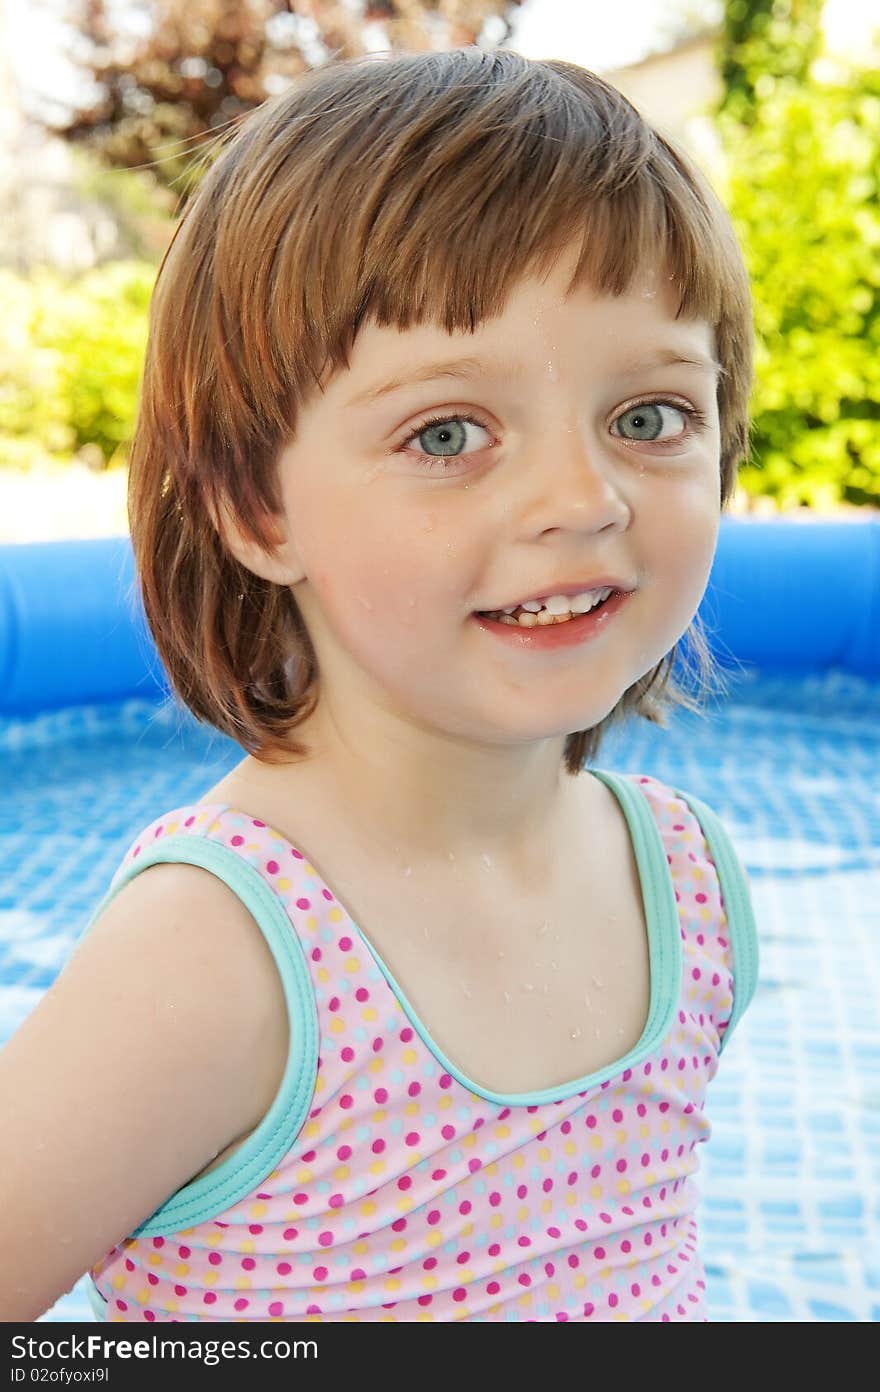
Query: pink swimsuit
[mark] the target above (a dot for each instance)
(383, 1184)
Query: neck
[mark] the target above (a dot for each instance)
(430, 800)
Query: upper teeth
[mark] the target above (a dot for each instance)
(562, 604)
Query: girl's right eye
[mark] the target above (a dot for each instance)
(445, 437)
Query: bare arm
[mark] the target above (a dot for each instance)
(161, 1042)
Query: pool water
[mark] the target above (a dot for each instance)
(790, 1177)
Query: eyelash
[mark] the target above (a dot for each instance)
(696, 419)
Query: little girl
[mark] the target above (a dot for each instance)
(412, 1015)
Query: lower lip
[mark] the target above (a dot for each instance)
(544, 637)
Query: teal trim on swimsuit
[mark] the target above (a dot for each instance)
(236, 1176)
(738, 906)
(664, 949)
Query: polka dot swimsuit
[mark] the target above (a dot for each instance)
(385, 1185)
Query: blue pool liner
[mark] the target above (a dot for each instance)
(787, 597)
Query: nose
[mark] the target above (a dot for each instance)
(574, 483)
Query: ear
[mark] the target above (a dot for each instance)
(279, 563)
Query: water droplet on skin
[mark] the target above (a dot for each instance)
(507, 996)
(551, 371)
(407, 870)
(597, 983)
(649, 294)
(425, 931)
(362, 599)
(575, 1033)
(466, 989)
(528, 986)
(555, 966)
(544, 988)
(451, 855)
(543, 930)
(596, 1032)
(587, 1002)
(487, 861)
(500, 954)
(429, 523)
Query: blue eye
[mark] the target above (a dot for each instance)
(647, 420)
(444, 437)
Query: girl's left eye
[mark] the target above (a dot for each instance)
(645, 420)
(445, 437)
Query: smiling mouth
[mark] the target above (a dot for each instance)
(544, 618)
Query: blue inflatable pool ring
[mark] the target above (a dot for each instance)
(783, 596)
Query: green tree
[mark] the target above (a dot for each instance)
(802, 189)
(762, 43)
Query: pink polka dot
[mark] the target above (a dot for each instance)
(320, 1273)
(241, 1303)
(412, 1138)
(273, 867)
(290, 1234)
(209, 1297)
(362, 994)
(459, 1293)
(325, 1239)
(346, 1100)
(493, 1288)
(284, 1268)
(345, 944)
(276, 1308)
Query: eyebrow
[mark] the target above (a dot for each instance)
(468, 369)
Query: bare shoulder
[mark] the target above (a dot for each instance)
(160, 1043)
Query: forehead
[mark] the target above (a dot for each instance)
(543, 317)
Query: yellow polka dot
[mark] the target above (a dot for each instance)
(377, 1167)
(211, 1277)
(283, 884)
(546, 1205)
(429, 1282)
(445, 1102)
(154, 1259)
(424, 1317)
(392, 1284)
(623, 1186)
(334, 915)
(304, 1176)
(355, 1287)
(368, 1014)
(388, 1319)
(242, 1283)
(491, 1169)
(171, 828)
(525, 1299)
(496, 1220)
(398, 1244)
(518, 1162)
(181, 1269)
(569, 1147)
(570, 1199)
(502, 1132)
(360, 1248)
(336, 1025)
(378, 1118)
(341, 1172)
(596, 1191)
(596, 1143)
(553, 1292)
(143, 1296)
(650, 1177)
(311, 1128)
(467, 1229)
(466, 1276)
(522, 1213)
(434, 1239)
(409, 1055)
(323, 974)
(620, 1137)
(352, 964)
(404, 1205)
(367, 1208)
(247, 1245)
(644, 1130)
(118, 1282)
(469, 1140)
(258, 1209)
(494, 1309)
(411, 1108)
(376, 1065)
(173, 1307)
(580, 1280)
(664, 1126)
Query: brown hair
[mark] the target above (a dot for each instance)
(406, 189)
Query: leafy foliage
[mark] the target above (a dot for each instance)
(71, 355)
(201, 66)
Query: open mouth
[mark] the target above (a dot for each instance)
(525, 618)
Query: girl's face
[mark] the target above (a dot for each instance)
(567, 450)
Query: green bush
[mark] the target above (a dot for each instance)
(802, 189)
(71, 357)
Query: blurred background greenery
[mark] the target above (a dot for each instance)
(789, 136)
